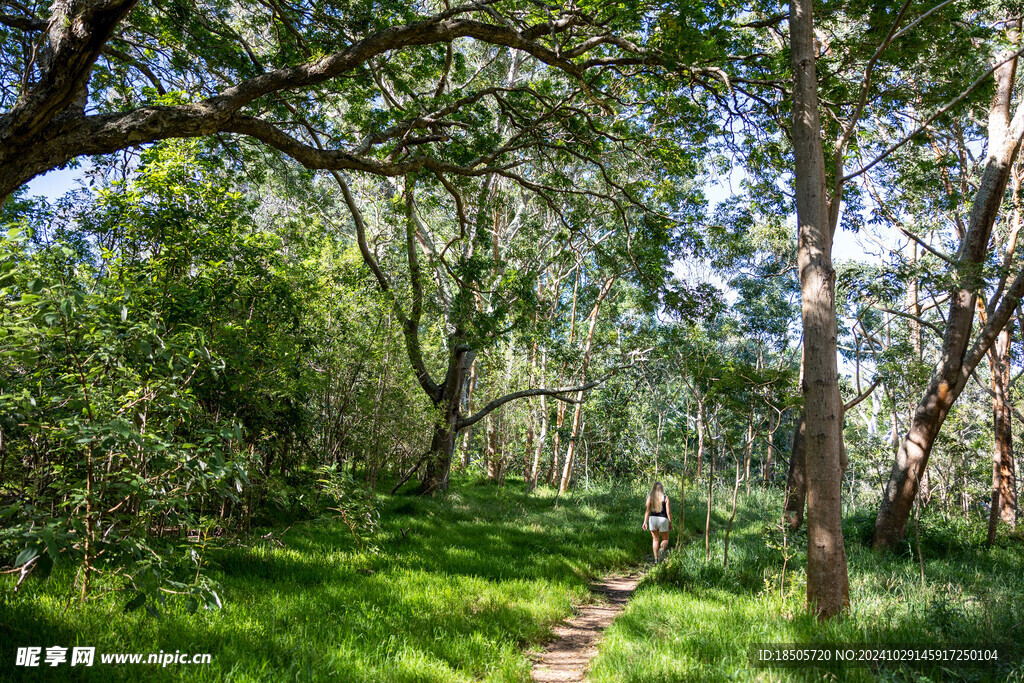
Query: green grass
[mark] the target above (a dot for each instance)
(693, 620)
(480, 576)
(478, 579)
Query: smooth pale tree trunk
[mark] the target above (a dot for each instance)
(556, 442)
(958, 359)
(541, 441)
(560, 414)
(531, 428)
(827, 581)
(467, 438)
(1004, 494)
(543, 436)
(577, 416)
(570, 451)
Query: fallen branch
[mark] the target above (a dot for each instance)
(411, 472)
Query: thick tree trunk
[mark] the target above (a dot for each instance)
(827, 581)
(442, 446)
(439, 464)
(955, 365)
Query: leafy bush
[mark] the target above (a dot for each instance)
(107, 444)
(352, 502)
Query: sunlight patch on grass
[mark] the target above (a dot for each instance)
(477, 578)
(696, 620)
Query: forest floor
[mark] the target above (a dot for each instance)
(567, 657)
(693, 618)
(472, 585)
(464, 587)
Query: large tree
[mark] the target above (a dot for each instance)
(962, 349)
(828, 589)
(86, 77)
(439, 101)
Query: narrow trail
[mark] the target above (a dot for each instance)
(566, 658)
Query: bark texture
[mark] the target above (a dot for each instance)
(1004, 489)
(49, 127)
(446, 429)
(827, 581)
(958, 357)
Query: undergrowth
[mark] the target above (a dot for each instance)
(694, 619)
(453, 588)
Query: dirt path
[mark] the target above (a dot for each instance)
(575, 643)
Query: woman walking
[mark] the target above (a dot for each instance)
(658, 515)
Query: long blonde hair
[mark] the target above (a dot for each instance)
(656, 498)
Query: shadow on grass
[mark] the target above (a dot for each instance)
(447, 589)
(693, 619)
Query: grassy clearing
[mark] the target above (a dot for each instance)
(478, 577)
(694, 620)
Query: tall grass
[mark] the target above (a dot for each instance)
(464, 586)
(695, 620)
(449, 589)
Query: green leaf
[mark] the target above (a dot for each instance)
(26, 556)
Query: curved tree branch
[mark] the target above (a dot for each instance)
(32, 140)
(557, 393)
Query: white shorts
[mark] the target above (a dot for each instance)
(658, 523)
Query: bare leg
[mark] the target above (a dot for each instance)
(654, 544)
(664, 540)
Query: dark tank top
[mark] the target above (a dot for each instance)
(660, 513)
